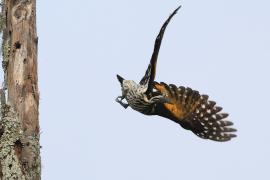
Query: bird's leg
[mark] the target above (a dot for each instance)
(119, 100)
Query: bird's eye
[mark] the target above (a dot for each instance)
(125, 87)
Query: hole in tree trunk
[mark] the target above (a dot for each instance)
(18, 147)
(18, 144)
(17, 45)
(1, 133)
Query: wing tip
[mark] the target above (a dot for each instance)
(175, 11)
(178, 8)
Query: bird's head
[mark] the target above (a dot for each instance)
(126, 85)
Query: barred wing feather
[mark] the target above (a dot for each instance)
(194, 112)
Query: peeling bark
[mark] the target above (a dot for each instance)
(19, 125)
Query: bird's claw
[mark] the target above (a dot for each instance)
(119, 100)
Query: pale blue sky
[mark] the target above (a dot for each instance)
(221, 48)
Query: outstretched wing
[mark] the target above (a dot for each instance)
(194, 112)
(151, 70)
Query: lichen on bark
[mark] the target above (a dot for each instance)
(5, 53)
(19, 125)
(12, 140)
(12, 134)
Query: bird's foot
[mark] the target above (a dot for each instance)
(119, 100)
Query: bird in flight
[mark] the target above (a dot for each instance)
(183, 105)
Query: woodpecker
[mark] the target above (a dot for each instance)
(183, 105)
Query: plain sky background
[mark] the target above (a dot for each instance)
(221, 48)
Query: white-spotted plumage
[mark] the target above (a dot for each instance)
(182, 105)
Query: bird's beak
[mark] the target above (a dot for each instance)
(120, 79)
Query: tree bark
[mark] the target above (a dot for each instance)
(19, 125)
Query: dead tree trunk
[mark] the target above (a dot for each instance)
(19, 125)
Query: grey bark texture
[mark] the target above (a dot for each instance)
(19, 124)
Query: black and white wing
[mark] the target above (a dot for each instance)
(150, 73)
